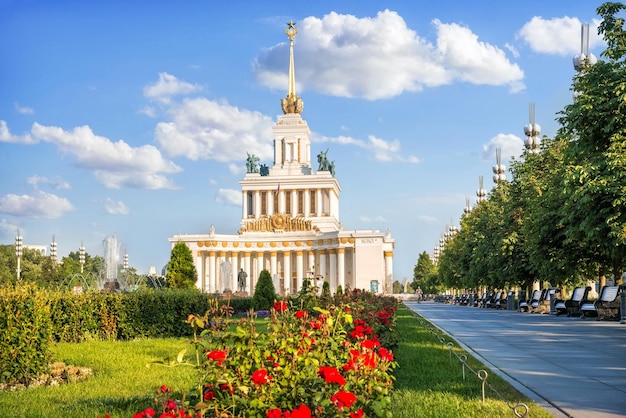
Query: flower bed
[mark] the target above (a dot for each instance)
(327, 361)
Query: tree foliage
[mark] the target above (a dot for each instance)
(562, 217)
(181, 270)
(264, 292)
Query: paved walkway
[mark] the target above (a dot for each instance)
(572, 367)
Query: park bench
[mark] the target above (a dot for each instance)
(571, 306)
(533, 303)
(607, 305)
(542, 305)
(502, 301)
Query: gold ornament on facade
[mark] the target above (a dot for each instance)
(351, 240)
(248, 245)
(235, 244)
(278, 222)
(273, 244)
(285, 243)
(298, 243)
(309, 243)
(200, 244)
(224, 244)
(344, 240)
(259, 244)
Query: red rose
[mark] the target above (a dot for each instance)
(343, 399)
(260, 377)
(332, 375)
(302, 411)
(217, 355)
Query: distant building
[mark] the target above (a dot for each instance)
(43, 249)
(290, 222)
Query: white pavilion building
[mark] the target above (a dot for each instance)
(290, 222)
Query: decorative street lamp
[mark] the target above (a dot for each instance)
(53, 250)
(467, 209)
(532, 131)
(499, 168)
(125, 260)
(18, 252)
(481, 193)
(81, 256)
(585, 58)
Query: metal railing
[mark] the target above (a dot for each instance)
(520, 409)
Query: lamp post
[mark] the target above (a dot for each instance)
(18, 252)
(53, 250)
(499, 168)
(532, 131)
(81, 256)
(481, 193)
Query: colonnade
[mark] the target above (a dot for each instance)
(288, 267)
(304, 202)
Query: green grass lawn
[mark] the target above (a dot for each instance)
(125, 380)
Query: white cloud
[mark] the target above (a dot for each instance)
(38, 205)
(7, 136)
(558, 36)
(57, 184)
(382, 150)
(167, 86)
(7, 229)
(114, 164)
(24, 110)
(208, 130)
(228, 197)
(380, 57)
(115, 207)
(511, 146)
(149, 111)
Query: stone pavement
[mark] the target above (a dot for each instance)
(572, 367)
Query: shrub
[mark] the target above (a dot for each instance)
(264, 292)
(24, 334)
(311, 363)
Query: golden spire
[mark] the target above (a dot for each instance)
(292, 103)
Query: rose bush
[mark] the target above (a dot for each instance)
(316, 363)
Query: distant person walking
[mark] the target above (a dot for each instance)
(419, 294)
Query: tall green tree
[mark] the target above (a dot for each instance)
(423, 270)
(181, 271)
(595, 171)
(264, 292)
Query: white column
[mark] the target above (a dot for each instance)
(246, 268)
(257, 204)
(200, 281)
(322, 258)
(333, 269)
(259, 264)
(234, 266)
(341, 278)
(281, 201)
(388, 272)
(269, 199)
(287, 271)
(273, 263)
(307, 203)
(299, 270)
(311, 263)
(318, 202)
(212, 278)
(294, 202)
(244, 204)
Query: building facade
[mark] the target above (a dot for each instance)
(290, 222)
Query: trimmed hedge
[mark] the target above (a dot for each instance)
(119, 316)
(24, 333)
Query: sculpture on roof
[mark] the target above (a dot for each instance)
(264, 170)
(252, 163)
(324, 164)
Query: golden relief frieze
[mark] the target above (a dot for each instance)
(278, 222)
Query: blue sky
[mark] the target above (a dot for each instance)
(134, 118)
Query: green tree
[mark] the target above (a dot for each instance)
(423, 269)
(264, 292)
(181, 271)
(594, 125)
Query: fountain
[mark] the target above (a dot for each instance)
(112, 260)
